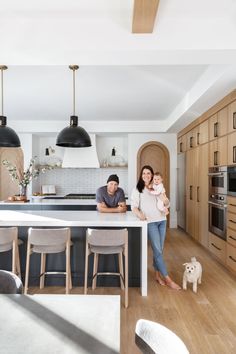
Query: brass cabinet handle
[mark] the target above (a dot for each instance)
(216, 157)
(234, 120)
(232, 259)
(191, 141)
(216, 129)
(219, 249)
(191, 192)
(232, 204)
(181, 147)
(232, 221)
(234, 154)
(233, 238)
(198, 138)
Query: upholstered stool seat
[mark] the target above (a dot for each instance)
(9, 242)
(154, 338)
(48, 241)
(10, 283)
(107, 242)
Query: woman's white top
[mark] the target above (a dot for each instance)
(147, 203)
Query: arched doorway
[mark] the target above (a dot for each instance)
(156, 155)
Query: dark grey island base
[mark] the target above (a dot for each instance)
(41, 206)
(57, 261)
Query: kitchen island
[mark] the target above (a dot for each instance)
(79, 221)
(52, 204)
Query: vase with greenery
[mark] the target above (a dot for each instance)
(23, 178)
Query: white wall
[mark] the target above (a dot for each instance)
(135, 141)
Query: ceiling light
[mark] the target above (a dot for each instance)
(8, 137)
(73, 136)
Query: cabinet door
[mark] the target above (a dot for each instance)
(223, 151)
(202, 137)
(202, 195)
(232, 117)
(213, 127)
(190, 192)
(232, 149)
(222, 126)
(213, 153)
(181, 144)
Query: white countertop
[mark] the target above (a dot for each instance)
(60, 324)
(68, 218)
(55, 202)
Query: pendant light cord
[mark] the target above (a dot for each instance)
(2, 91)
(73, 92)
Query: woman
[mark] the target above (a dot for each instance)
(144, 206)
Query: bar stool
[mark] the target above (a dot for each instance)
(9, 241)
(107, 242)
(46, 241)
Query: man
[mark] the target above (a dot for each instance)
(111, 198)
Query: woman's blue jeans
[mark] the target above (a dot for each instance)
(156, 235)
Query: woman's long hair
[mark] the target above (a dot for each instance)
(140, 185)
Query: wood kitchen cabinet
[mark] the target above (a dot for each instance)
(182, 144)
(218, 124)
(218, 152)
(197, 193)
(231, 234)
(232, 117)
(218, 247)
(192, 138)
(202, 135)
(232, 149)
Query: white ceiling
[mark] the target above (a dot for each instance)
(170, 76)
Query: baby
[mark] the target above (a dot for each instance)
(158, 189)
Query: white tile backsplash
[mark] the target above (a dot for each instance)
(74, 180)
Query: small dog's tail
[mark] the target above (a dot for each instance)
(193, 259)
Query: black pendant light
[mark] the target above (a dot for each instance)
(8, 137)
(73, 136)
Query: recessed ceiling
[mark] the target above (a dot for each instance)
(170, 76)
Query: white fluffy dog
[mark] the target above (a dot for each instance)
(192, 274)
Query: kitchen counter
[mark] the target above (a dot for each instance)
(79, 221)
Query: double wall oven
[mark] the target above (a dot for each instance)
(218, 182)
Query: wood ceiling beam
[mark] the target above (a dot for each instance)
(144, 15)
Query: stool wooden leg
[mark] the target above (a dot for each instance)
(95, 270)
(126, 276)
(14, 257)
(18, 268)
(27, 268)
(68, 267)
(70, 279)
(42, 270)
(121, 270)
(86, 269)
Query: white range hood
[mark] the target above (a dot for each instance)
(81, 157)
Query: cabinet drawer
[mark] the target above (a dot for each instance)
(231, 257)
(231, 236)
(231, 220)
(231, 201)
(218, 247)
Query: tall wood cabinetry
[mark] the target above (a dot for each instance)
(197, 184)
(210, 141)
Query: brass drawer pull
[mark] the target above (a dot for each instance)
(234, 154)
(234, 120)
(232, 204)
(232, 259)
(215, 129)
(233, 238)
(232, 221)
(219, 249)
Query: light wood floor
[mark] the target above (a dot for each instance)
(205, 321)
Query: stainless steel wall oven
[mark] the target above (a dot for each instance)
(217, 215)
(232, 180)
(218, 180)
